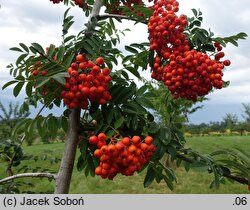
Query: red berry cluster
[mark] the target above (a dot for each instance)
(126, 156)
(36, 69)
(56, 1)
(187, 73)
(166, 28)
(87, 81)
(195, 74)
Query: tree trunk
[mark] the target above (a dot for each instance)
(67, 163)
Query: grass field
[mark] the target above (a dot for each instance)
(194, 182)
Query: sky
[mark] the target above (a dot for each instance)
(30, 21)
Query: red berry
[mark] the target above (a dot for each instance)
(148, 140)
(227, 62)
(136, 140)
(80, 58)
(102, 137)
(100, 61)
(44, 72)
(93, 140)
(126, 141)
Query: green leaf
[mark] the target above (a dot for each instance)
(18, 88)
(9, 83)
(91, 165)
(142, 90)
(21, 58)
(112, 23)
(29, 89)
(67, 39)
(187, 166)
(131, 49)
(170, 173)
(51, 50)
(127, 58)
(69, 18)
(134, 107)
(68, 60)
(60, 77)
(133, 71)
(40, 126)
(52, 125)
(201, 36)
(139, 46)
(109, 114)
(81, 164)
(66, 27)
(150, 176)
(41, 81)
(16, 49)
(153, 127)
(125, 74)
(232, 41)
(134, 122)
(24, 47)
(66, 13)
(195, 12)
(145, 102)
(208, 47)
(29, 130)
(89, 49)
(195, 23)
(20, 126)
(169, 183)
(38, 47)
(64, 123)
(164, 135)
(60, 53)
(241, 35)
(118, 123)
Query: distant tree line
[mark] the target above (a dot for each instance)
(230, 124)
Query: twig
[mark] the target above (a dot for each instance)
(230, 176)
(32, 175)
(119, 17)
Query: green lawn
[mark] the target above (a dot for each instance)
(188, 182)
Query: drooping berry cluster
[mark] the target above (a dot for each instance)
(187, 72)
(87, 82)
(125, 156)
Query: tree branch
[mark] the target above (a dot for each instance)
(96, 8)
(32, 175)
(119, 17)
(227, 175)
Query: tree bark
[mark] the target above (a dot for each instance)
(63, 178)
(65, 172)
